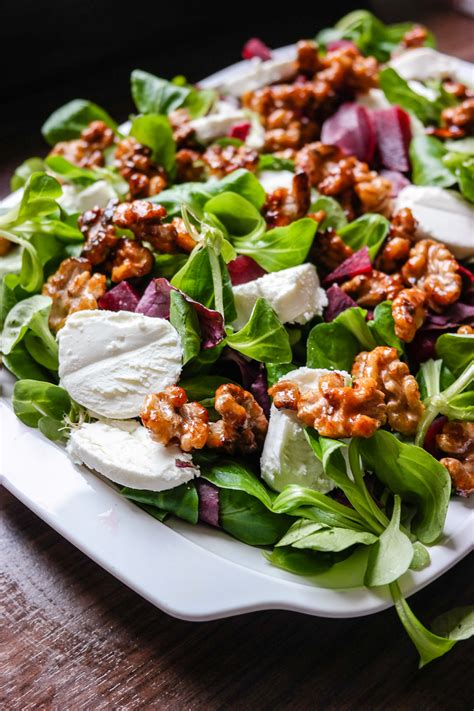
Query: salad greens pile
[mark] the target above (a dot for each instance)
(391, 494)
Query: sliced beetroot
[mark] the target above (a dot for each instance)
(357, 263)
(338, 301)
(122, 297)
(393, 131)
(430, 443)
(240, 130)
(243, 269)
(255, 47)
(398, 180)
(208, 507)
(352, 129)
(156, 302)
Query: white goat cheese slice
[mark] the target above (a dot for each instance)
(443, 215)
(425, 63)
(126, 453)
(294, 294)
(287, 457)
(216, 125)
(270, 180)
(109, 361)
(96, 195)
(253, 75)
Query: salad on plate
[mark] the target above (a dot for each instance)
(251, 306)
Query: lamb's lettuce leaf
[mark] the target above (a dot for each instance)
(69, 120)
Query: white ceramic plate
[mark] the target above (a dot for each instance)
(191, 572)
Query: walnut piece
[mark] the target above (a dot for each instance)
(432, 268)
(465, 329)
(183, 133)
(358, 188)
(393, 378)
(190, 167)
(72, 288)
(99, 233)
(460, 117)
(131, 259)
(88, 150)
(333, 408)
(409, 312)
(134, 163)
(222, 160)
(401, 237)
(5, 246)
(171, 418)
(284, 206)
(457, 440)
(371, 289)
(243, 426)
(329, 250)
(415, 37)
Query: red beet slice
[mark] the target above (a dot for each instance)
(254, 47)
(352, 129)
(243, 269)
(122, 297)
(392, 127)
(357, 263)
(338, 301)
(240, 130)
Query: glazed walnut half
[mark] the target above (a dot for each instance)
(87, 151)
(171, 418)
(73, 288)
(432, 268)
(283, 206)
(333, 408)
(393, 378)
(457, 440)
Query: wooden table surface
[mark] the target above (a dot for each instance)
(73, 637)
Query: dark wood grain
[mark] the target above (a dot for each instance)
(73, 637)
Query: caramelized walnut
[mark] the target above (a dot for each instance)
(73, 288)
(283, 206)
(130, 260)
(183, 132)
(5, 246)
(333, 408)
(409, 312)
(190, 166)
(358, 188)
(88, 150)
(222, 160)
(307, 58)
(393, 378)
(371, 289)
(243, 425)
(401, 237)
(432, 268)
(465, 330)
(134, 163)
(457, 440)
(144, 219)
(99, 233)
(329, 250)
(415, 37)
(460, 117)
(171, 418)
